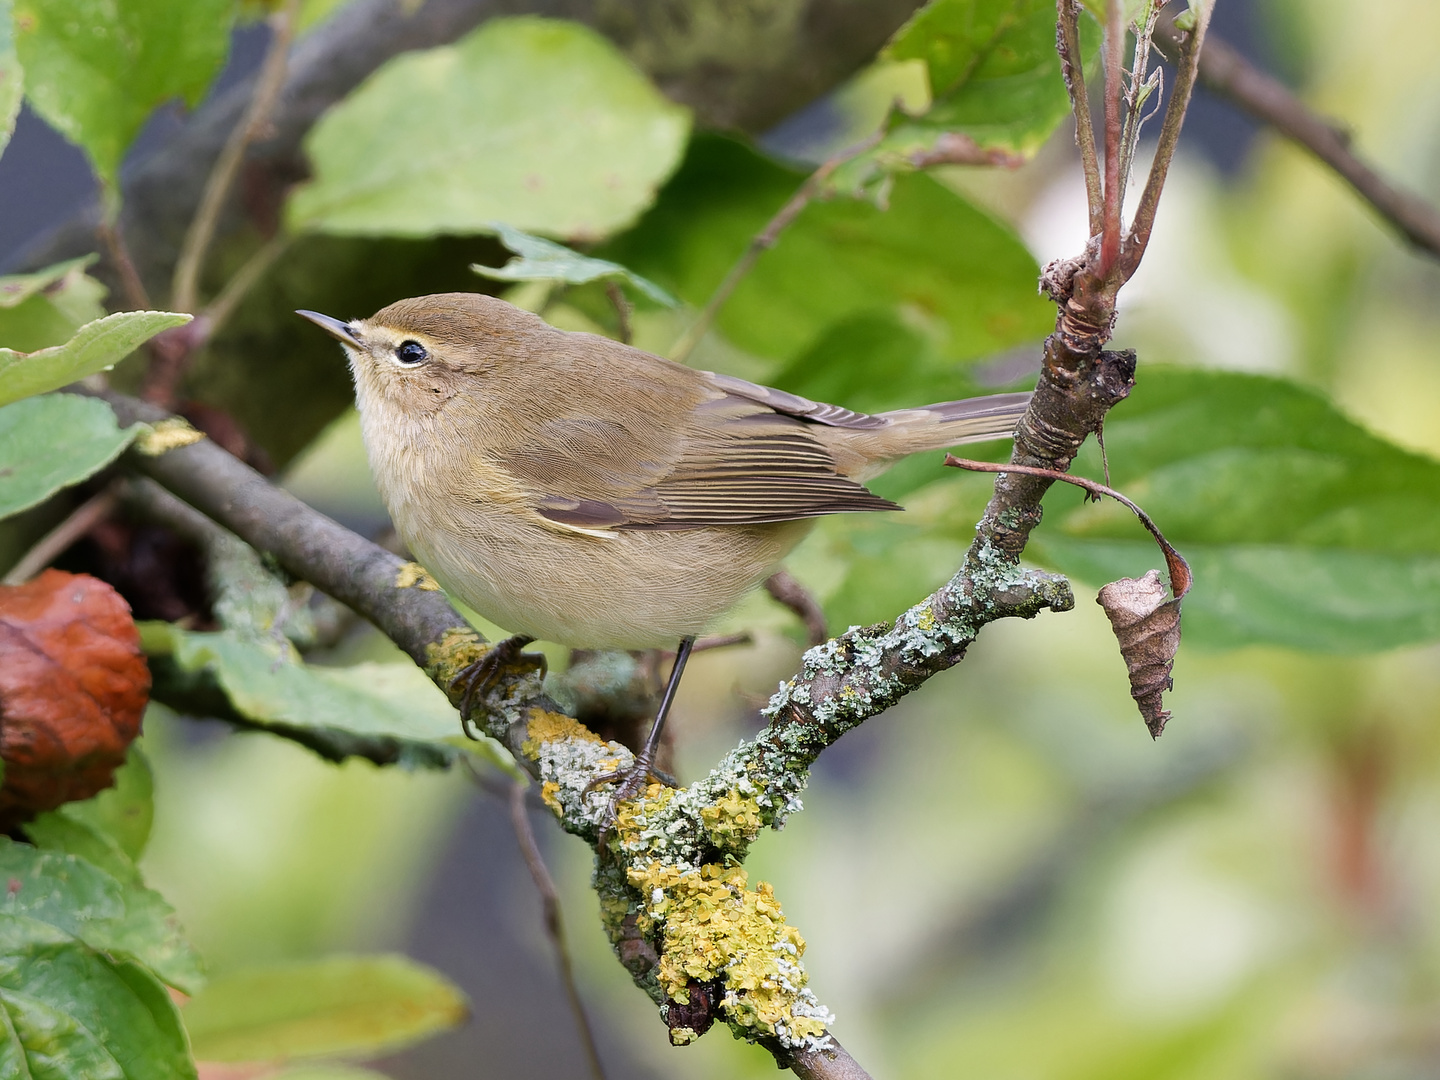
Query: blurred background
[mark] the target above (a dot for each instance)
(1004, 877)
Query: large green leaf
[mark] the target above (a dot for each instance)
(538, 123)
(12, 78)
(95, 69)
(122, 918)
(994, 71)
(1303, 529)
(392, 704)
(96, 346)
(358, 1005)
(109, 829)
(47, 307)
(72, 1011)
(53, 441)
(932, 258)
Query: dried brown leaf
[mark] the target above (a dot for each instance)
(1148, 629)
(73, 686)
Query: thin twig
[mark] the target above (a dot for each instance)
(764, 240)
(130, 284)
(622, 310)
(268, 84)
(1185, 69)
(786, 590)
(1229, 74)
(554, 927)
(1072, 66)
(59, 539)
(1114, 61)
(1180, 575)
(219, 310)
(957, 148)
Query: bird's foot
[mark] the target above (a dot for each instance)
(480, 676)
(629, 783)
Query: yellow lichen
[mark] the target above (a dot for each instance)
(412, 575)
(733, 820)
(544, 727)
(457, 649)
(165, 435)
(548, 790)
(713, 926)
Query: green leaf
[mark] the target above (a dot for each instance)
(51, 442)
(931, 259)
(544, 260)
(76, 1012)
(47, 307)
(95, 69)
(120, 816)
(994, 71)
(12, 77)
(338, 1005)
(393, 704)
(535, 122)
(1303, 529)
(96, 346)
(122, 918)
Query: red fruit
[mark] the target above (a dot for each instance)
(73, 686)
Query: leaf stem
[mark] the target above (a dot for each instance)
(269, 83)
(1180, 575)
(59, 539)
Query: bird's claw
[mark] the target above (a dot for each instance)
(479, 676)
(632, 782)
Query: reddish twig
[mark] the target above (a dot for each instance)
(1180, 575)
(59, 539)
(955, 148)
(1114, 61)
(786, 590)
(1072, 66)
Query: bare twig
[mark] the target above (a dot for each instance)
(1229, 74)
(219, 310)
(786, 590)
(130, 284)
(764, 240)
(268, 84)
(554, 925)
(1185, 69)
(1114, 62)
(1072, 66)
(622, 308)
(59, 539)
(1180, 576)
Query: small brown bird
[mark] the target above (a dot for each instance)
(577, 490)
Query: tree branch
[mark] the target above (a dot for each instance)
(1229, 74)
(1072, 66)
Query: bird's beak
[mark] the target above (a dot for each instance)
(334, 327)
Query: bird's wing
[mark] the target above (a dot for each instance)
(735, 461)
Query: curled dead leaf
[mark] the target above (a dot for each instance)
(73, 686)
(1148, 629)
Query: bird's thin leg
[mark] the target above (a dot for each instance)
(479, 676)
(634, 779)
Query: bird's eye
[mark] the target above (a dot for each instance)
(411, 353)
